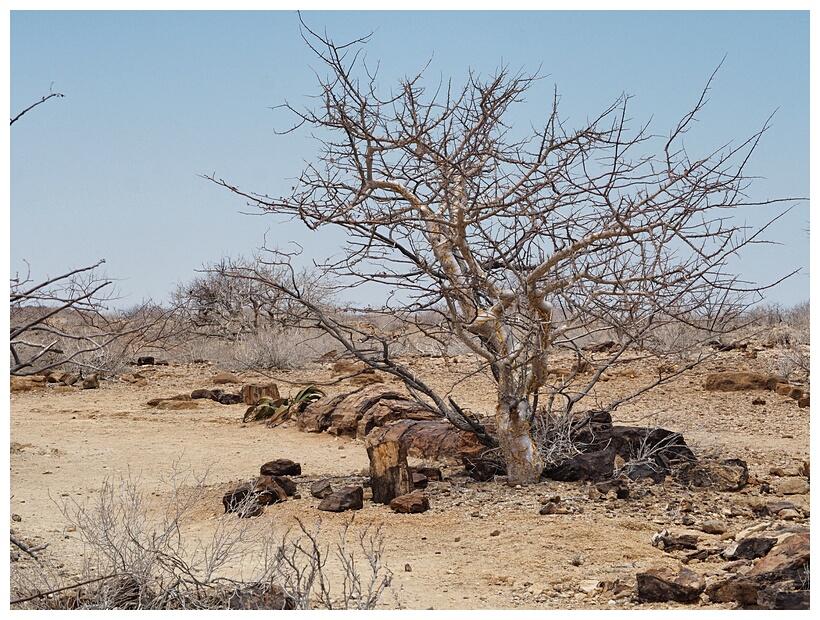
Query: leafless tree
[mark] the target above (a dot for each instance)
(219, 304)
(519, 241)
(64, 320)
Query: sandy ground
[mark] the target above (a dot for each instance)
(480, 546)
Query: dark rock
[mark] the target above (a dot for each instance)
(267, 491)
(594, 466)
(229, 399)
(724, 475)
(803, 402)
(659, 585)
(410, 503)
(287, 485)
(786, 595)
(321, 489)
(674, 542)
(346, 498)
(431, 473)
(281, 467)
(645, 470)
(484, 470)
(91, 382)
(242, 500)
(620, 486)
(69, 378)
(203, 393)
(749, 548)
(145, 361)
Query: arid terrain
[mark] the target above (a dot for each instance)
(481, 545)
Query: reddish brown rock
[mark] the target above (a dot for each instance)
(803, 402)
(410, 503)
(224, 377)
(268, 491)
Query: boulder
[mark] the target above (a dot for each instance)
(792, 391)
(69, 378)
(146, 360)
(26, 384)
(410, 503)
(663, 584)
(346, 498)
(281, 467)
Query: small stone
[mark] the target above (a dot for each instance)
(793, 486)
(16, 517)
(495, 533)
(713, 526)
(408, 568)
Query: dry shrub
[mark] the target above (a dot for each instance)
(141, 553)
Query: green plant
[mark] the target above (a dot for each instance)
(277, 410)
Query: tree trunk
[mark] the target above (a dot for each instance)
(389, 474)
(521, 456)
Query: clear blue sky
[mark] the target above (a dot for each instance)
(153, 100)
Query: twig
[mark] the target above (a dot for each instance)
(75, 585)
(29, 550)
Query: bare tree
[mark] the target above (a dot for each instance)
(519, 242)
(219, 304)
(64, 320)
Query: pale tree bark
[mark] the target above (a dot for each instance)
(518, 242)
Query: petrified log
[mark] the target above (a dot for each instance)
(389, 474)
(595, 466)
(251, 393)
